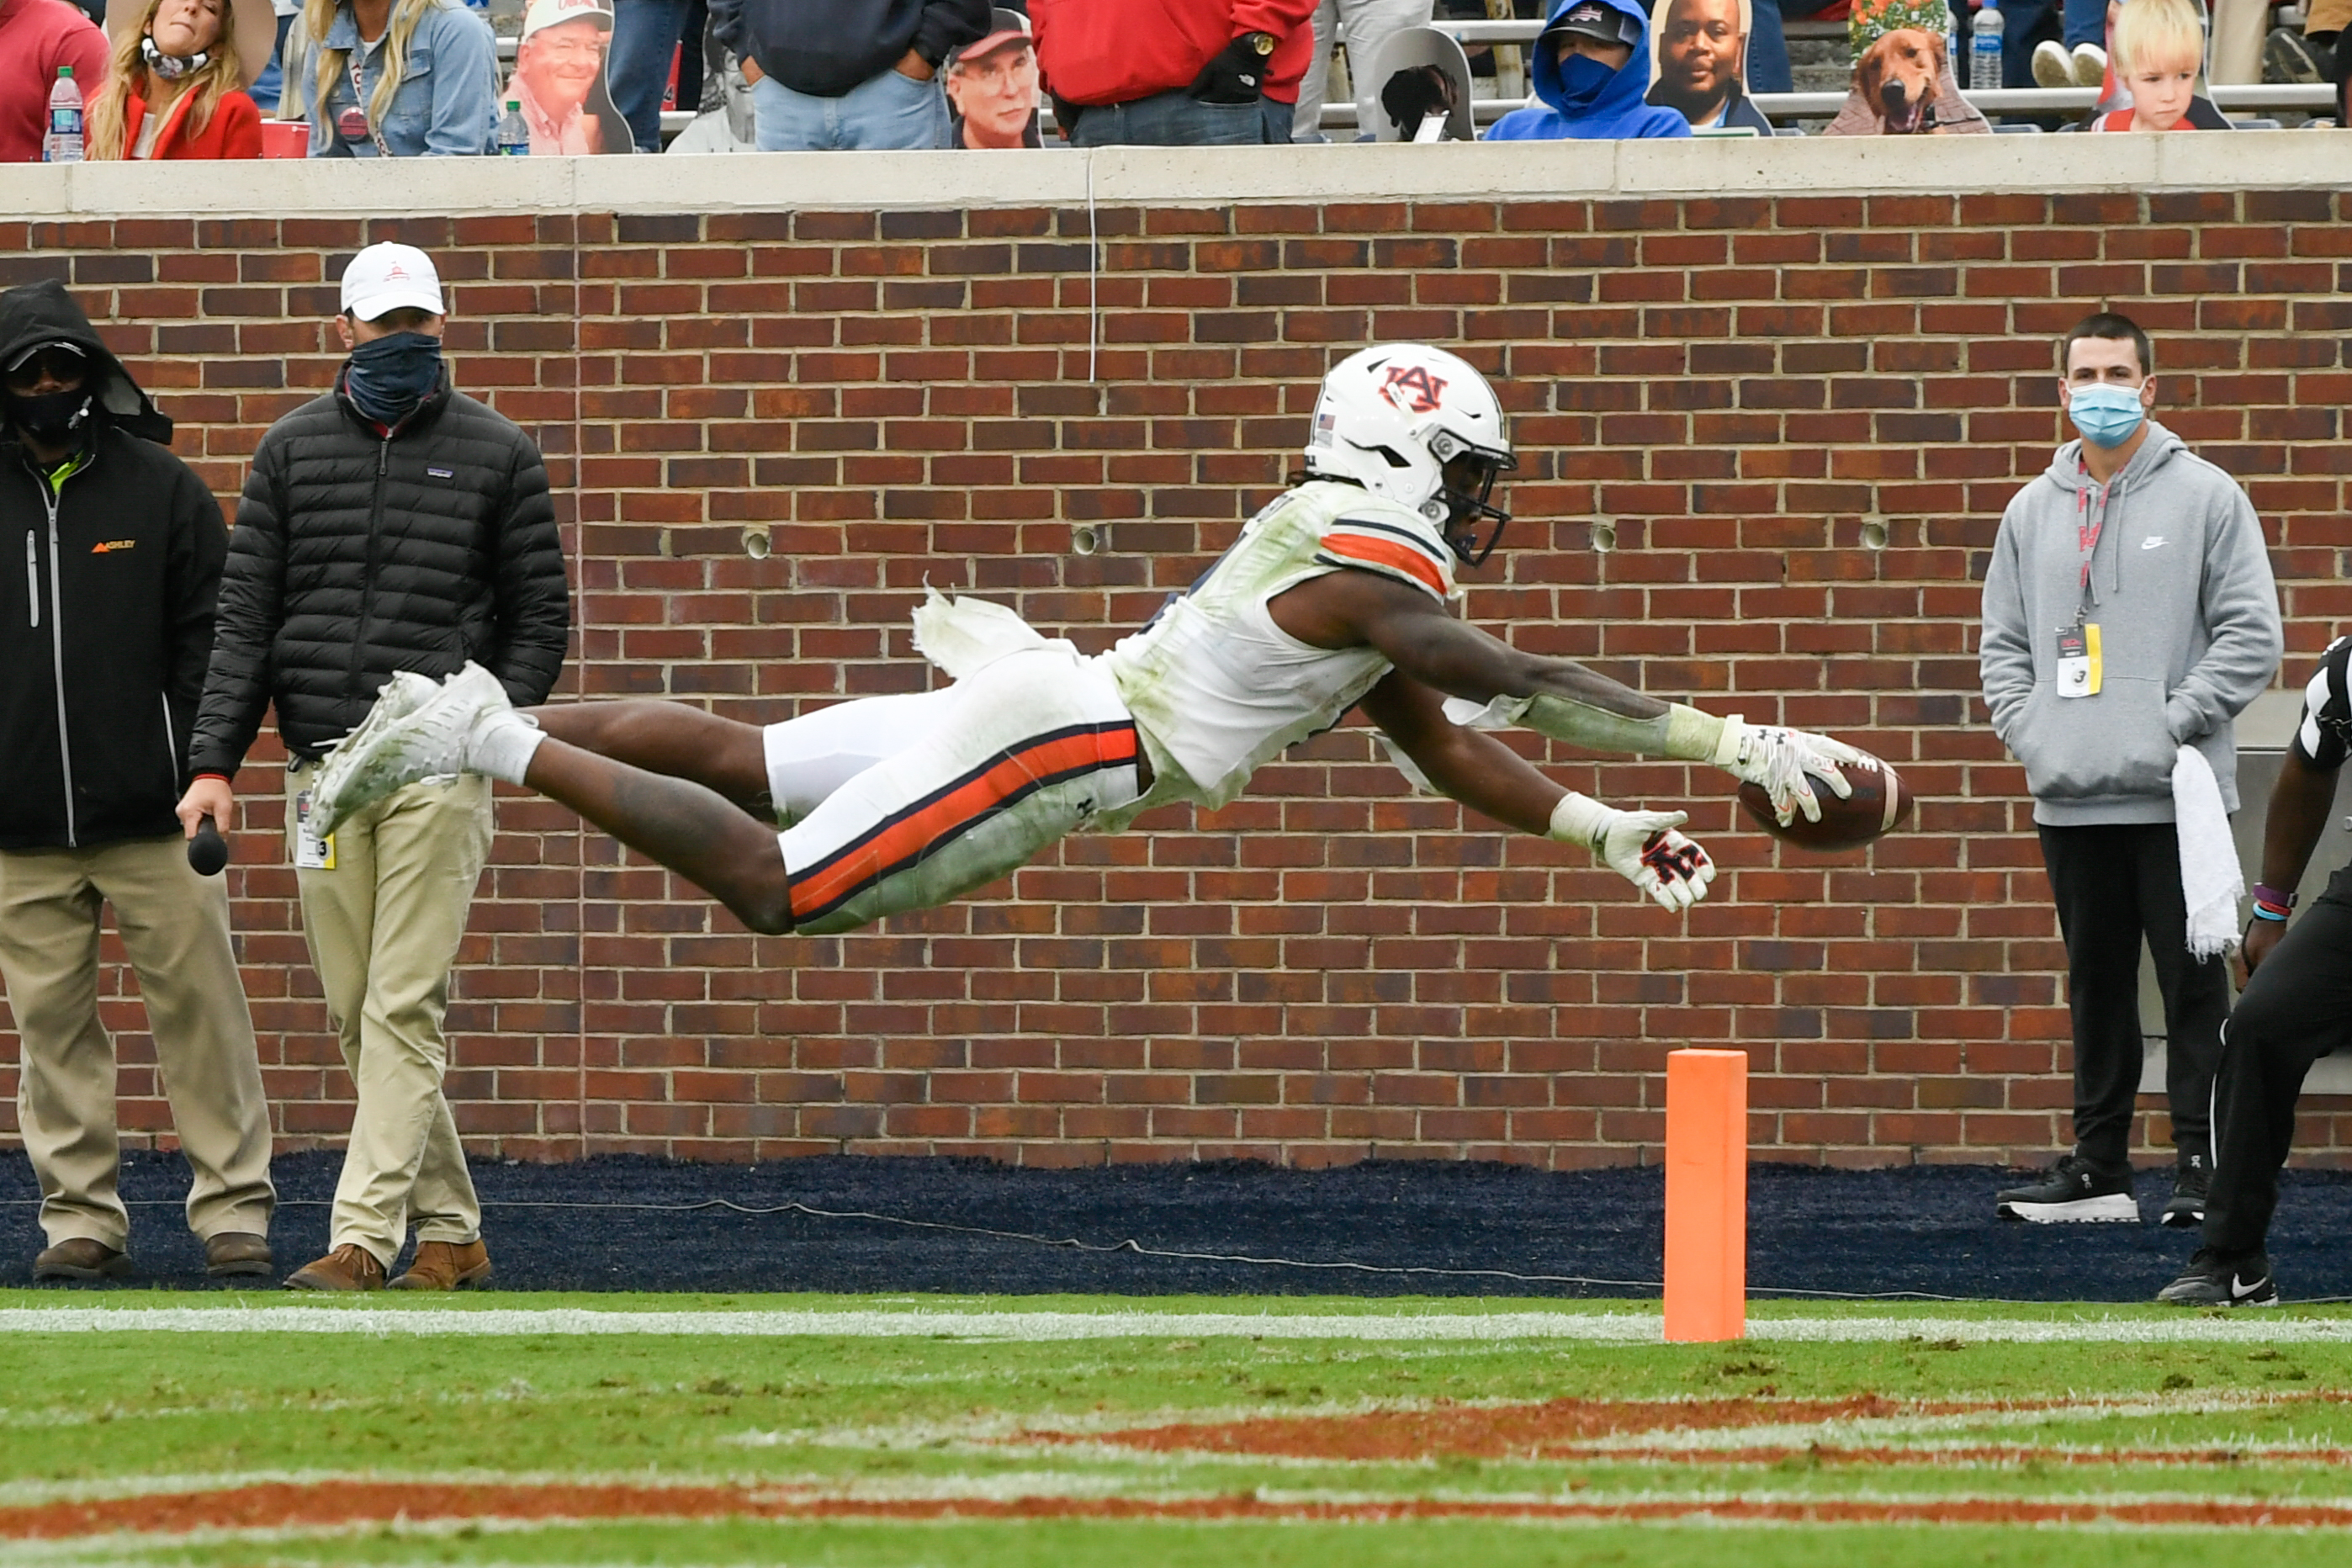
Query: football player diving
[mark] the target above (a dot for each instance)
(1338, 593)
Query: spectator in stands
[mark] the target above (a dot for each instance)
(559, 80)
(1590, 65)
(1769, 68)
(1185, 73)
(842, 75)
(391, 530)
(269, 86)
(993, 87)
(2129, 615)
(175, 85)
(2159, 50)
(37, 36)
(1702, 48)
(2313, 55)
(107, 635)
(393, 79)
(647, 35)
(1364, 27)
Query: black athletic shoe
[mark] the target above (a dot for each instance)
(2289, 57)
(2076, 1191)
(2213, 1280)
(2187, 1209)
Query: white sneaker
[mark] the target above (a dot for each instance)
(2090, 66)
(429, 742)
(2052, 67)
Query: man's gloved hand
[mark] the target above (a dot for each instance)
(1237, 75)
(1780, 760)
(1640, 845)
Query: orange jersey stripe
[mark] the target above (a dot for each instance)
(904, 839)
(1380, 553)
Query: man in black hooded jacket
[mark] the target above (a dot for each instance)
(105, 635)
(390, 530)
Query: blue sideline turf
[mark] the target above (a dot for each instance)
(1930, 1230)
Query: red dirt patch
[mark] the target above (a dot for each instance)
(1494, 1431)
(330, 1504)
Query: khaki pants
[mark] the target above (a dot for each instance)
(174, 926)
(383, 926)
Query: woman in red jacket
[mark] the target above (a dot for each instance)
(176, 89)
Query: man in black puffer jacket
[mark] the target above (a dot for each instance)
(104, 634)
(389, 531)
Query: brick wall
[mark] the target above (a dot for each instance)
(1329, 969)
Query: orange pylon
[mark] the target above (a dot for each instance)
(1706, 1194)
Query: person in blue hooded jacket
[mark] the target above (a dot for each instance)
(1591, 68)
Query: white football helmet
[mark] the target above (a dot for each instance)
(1391, 418)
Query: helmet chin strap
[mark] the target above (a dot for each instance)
(171, 68)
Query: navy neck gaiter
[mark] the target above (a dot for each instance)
(387, 377)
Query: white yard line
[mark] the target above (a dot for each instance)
(2247, 1327)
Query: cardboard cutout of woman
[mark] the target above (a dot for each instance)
(1698, 64)
(559, 80)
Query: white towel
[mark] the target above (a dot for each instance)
(2210, 882)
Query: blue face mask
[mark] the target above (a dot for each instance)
(390, 376)
(1582, 75)
(2105, 413)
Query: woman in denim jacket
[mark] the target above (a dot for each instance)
(393, 79)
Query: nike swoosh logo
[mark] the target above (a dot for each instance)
(2240, 1292)
(2153, 543)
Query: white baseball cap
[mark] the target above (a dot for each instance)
(391, 278)
(548, 13)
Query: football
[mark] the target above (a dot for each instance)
(1878, 805)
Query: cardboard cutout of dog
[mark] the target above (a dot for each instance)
(1903, 81)
(1698, 64)
(1425, 80)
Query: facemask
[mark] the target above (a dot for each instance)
(389, 376)
(171, 68)
(1582, 75)
(2106, 416)
(52, 415)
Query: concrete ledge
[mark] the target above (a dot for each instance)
(1157, 176)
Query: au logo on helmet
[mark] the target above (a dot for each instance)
(1411, 388)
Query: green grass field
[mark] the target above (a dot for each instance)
(850, 1432)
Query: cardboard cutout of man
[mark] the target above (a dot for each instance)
(1698, 64)
(992, 86)
(558, 78)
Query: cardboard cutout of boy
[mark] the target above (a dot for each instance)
(1903, 81)
(1698, 64)
(559, 80)
(2119, 107)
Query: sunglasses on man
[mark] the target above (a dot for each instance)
(57, 362)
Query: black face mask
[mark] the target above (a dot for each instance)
(49, 416)
(389, 376)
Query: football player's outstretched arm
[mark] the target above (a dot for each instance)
(1554, 697)
(1485, 775)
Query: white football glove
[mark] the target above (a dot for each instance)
(1780, 760)
(1640, 845)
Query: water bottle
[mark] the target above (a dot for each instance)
(1984, 50)
(63, 144)
(514, 136)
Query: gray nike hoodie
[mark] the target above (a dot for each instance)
(2188, 613)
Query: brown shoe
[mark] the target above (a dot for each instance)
(349, 1267)
(447, 1266)
(235, 1252)
(82, 1260)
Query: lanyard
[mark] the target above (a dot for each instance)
(359, 101)
(2087, 530)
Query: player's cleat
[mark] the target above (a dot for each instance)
(2215, 1280)
(2187, 1209)
(429, 742)
(2076, 1191)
